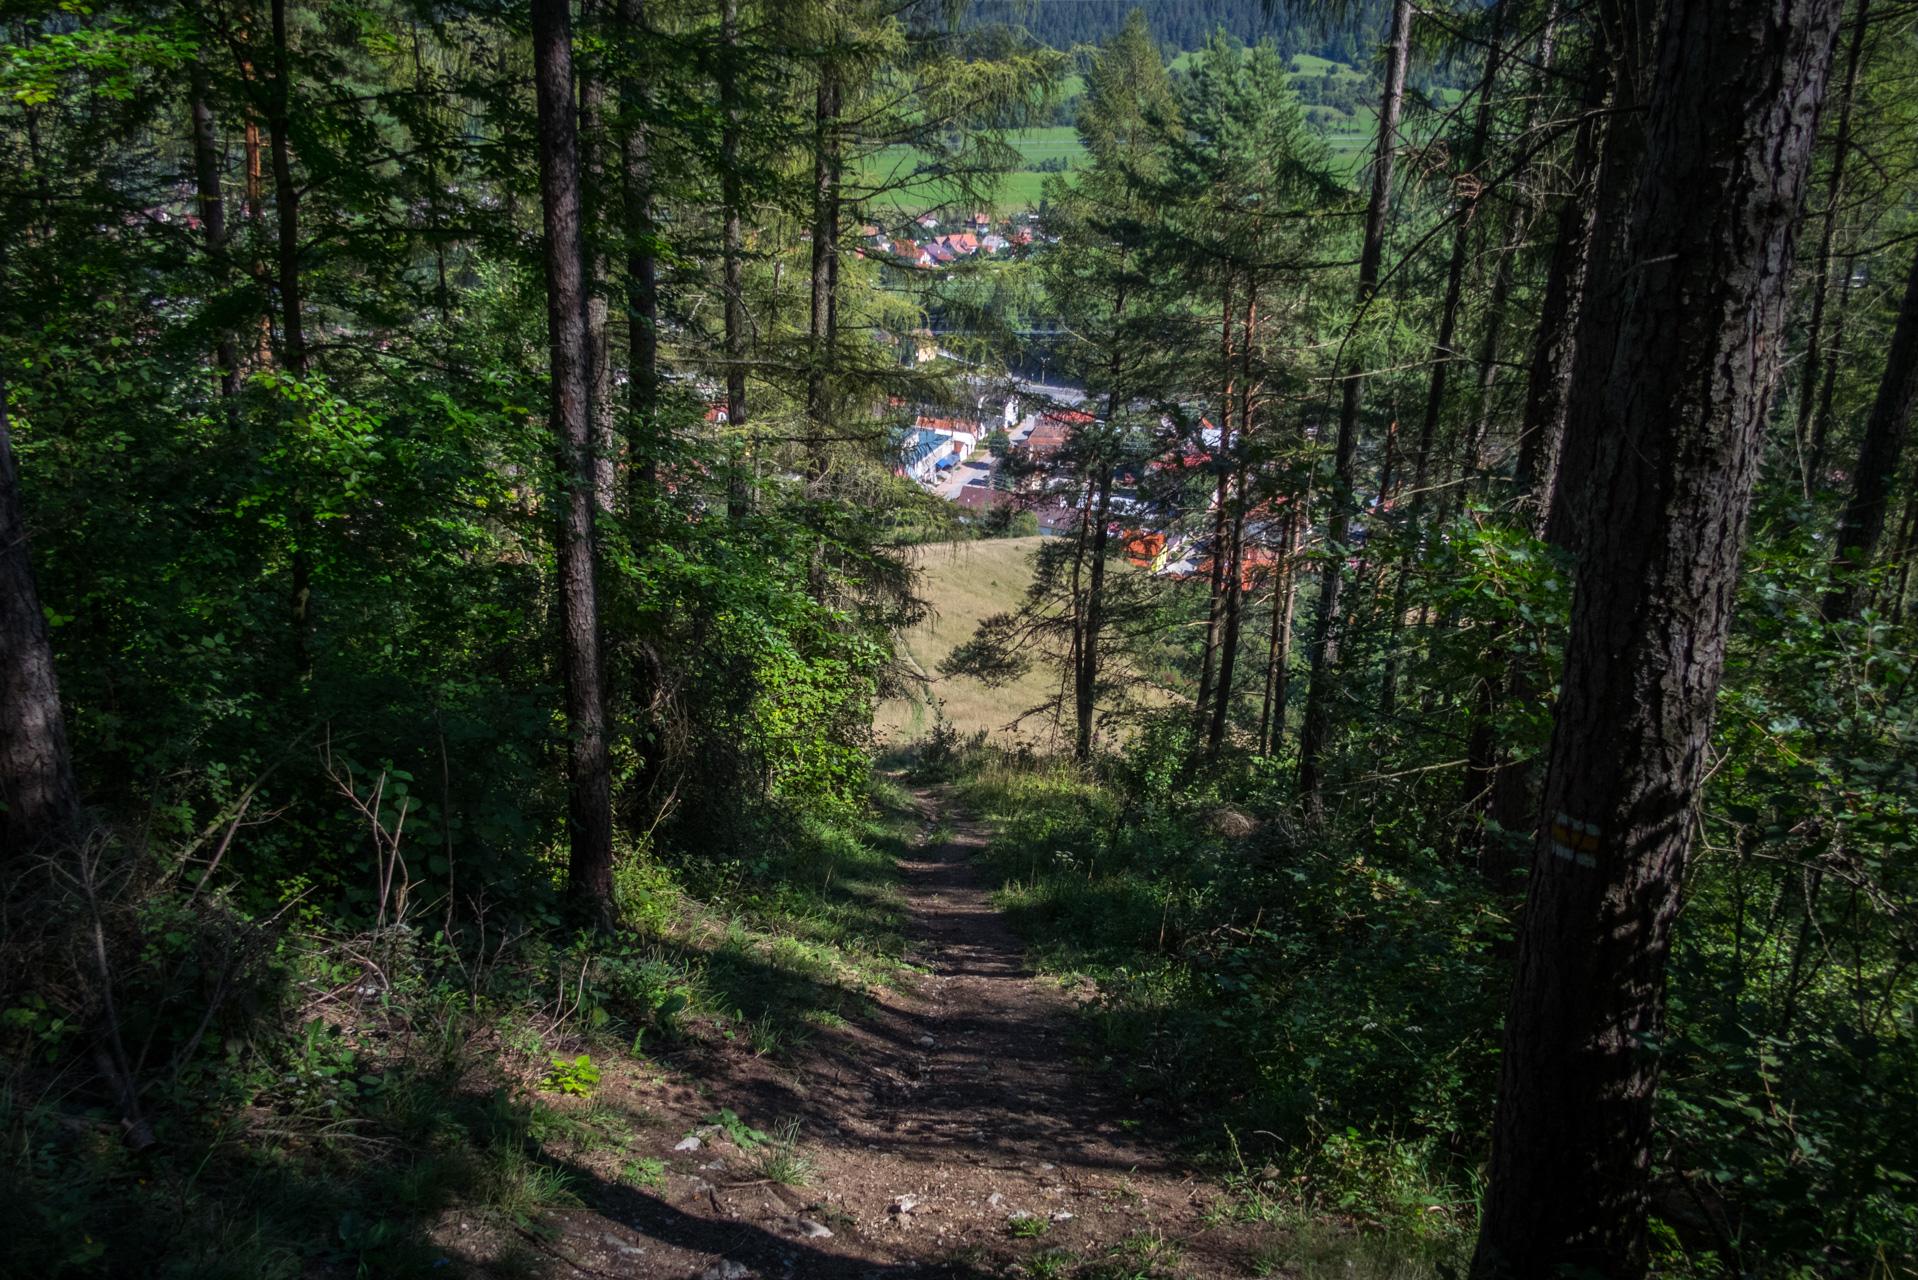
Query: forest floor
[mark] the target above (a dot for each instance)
(961, 1129)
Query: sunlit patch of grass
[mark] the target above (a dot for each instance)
(783, 1159)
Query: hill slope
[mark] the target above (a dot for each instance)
(966, 581)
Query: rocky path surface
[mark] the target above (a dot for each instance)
(953, 1133)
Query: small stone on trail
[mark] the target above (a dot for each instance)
(724, 1270)
(926, 1041)
(904, 1204)
(1062, 1216)
(996, 1199)
(688, 1143)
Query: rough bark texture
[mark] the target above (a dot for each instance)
(36, 776)
(589, 808)
(1317, 728)
(1862, 523)
(1663, 509)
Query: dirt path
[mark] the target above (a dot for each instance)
(953, 1134)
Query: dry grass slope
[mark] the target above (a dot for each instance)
(967, 581)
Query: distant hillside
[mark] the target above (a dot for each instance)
(1178, 25)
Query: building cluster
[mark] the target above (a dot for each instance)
(1030, 476)
(937, 244)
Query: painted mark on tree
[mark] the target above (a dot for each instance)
(1575, 841)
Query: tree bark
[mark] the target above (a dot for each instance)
(1317, 728)
(1862, 522)
(1215, 598)
(1278, 654)
(1821, 274)
(1086, 681)
(293, 354)
(1518, 231)
(36, 774)
(1547, 402)
(593, 203)
(1542, 420)
(732, 196)
(212, 206)
(1234, 608)
(1625, 33)
(825, 268)
(286, 197)
(642, 269)
(1691, 365)
(589, 808)
(1442, 357)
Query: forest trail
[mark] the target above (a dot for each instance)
(953, 1133)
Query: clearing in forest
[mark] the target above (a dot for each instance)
(966, 582)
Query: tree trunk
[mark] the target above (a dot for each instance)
(36, 775)
(1317, 729)
(1663, 509)
(1902, 581)
(1215, 598)
(1625, 33)
(732, 196)
(1821, 420)
(1862, 523)
(589, 808)
(642, 271)
(256, 226)
(1518, 232)
(593, 205)
(1278, 654)
(1542, 420)
(1234, 607)
(212, 206)
(286, 197)
(286, 206)
(825, 269)
(1086, 680)
(1828, 230)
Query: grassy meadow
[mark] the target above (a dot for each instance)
(966, 581)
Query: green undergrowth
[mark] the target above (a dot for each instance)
(399, 1103)
(1316, 1016)
(1317, 1008)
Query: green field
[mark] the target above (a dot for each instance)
(1349, 138)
